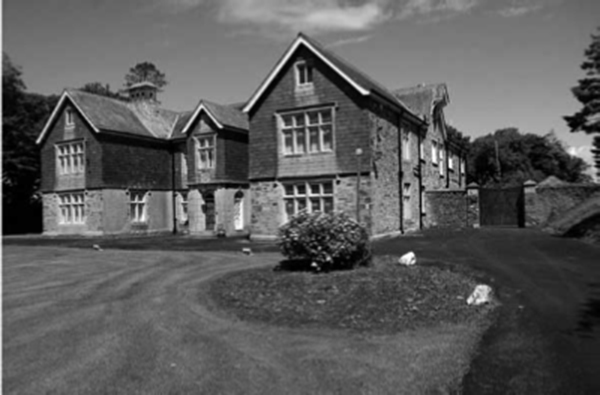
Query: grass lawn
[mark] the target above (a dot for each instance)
(422, 308)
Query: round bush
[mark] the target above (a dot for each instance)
(329, 241)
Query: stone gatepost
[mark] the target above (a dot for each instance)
(473, 214)
(530, 191)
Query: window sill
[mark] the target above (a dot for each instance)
(307, 154)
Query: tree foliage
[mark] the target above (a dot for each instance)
(23, 117)
(456, 137)
(101, 89)
(587, 92)
(145, 71)
(508, 157)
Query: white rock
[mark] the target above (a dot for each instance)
(97, 247)
(481, 295)
(408, 259)
(247, 251)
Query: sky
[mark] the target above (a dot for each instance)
(507, 63)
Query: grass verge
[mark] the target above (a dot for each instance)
(385, 298)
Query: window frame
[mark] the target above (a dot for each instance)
(308, 196)
(306, 126)
(406, 140)
(69, 118)
(70, 157)
(212, 147)
(71, 208)
(441, 162)
(434, 152)
(134, 214)
(308, 70)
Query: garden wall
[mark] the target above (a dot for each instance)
(545, 203)
(451, 208)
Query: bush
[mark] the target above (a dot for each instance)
(327, 241)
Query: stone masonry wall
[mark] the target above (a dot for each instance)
(446, 209)
(543, 204)
(385, 171)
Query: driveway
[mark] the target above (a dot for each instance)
(80, 321)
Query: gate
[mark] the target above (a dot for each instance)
(502, 206)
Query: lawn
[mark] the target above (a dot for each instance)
(385, 298)
(122, 322)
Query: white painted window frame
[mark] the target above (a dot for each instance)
(293, 130)
(70, 157)
(303, 71)
(406, 140)
(304, 201)
(209, 161)
(138, 206)
(71, 208)
(69, 118)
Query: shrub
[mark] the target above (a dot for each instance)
(328, 241)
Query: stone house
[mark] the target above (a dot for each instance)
(324, 136)
(112, 166)
(317, 134)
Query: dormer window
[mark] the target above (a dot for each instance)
(304, 74)
(69, 118)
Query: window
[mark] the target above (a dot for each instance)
(304, 75)
(138, 206)
(205, 152)
(406, 145)
(307, 132)
(182, 207)
(451, 162)
(238, 210)
(434, 152)
(69, 118)
(310, 196)
(422, 150)
(406, 199)
(462, 166)
(71, 208)
(442, 167)
(70, 158)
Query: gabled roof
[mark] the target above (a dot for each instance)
(358, 80)
(223, 116)
(422, 99)
(111, 115)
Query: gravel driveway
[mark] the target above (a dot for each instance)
(136, 322)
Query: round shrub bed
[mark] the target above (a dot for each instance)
(383, 298)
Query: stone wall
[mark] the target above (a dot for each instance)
(452, 208)
(543, 204)
(385, 176)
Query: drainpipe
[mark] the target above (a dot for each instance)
(174, 203)
(420, 182)
(401, 172)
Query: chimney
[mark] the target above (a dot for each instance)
(143, 92)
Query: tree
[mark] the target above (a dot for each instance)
(23, 117)
(508, 157)
(98, 88)
(455, 136)
(587, 92)
(145, 71)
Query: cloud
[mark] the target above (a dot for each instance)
(176, 6)
(436, 8)
(347, 41)
(585, 152)
(519, 8)
(315, 16)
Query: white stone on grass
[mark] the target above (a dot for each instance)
(481, 295)
(246, 251)
(408, 259)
